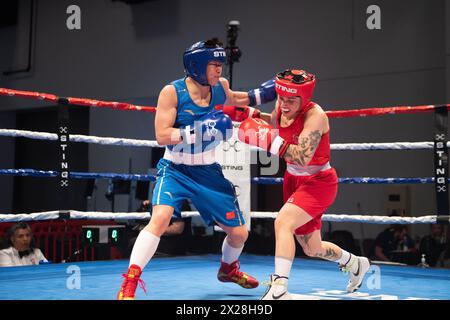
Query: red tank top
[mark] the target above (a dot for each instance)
(291, 133)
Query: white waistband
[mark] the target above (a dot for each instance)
(298, 170)
(191, 159)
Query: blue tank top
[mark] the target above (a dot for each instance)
(187, 111)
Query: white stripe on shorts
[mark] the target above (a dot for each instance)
(160, 185)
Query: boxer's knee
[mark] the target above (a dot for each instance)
(160, 220)
(282, 224)
(237, 236)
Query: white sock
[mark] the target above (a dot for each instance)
(345, 257)
(144, 248)
(283, 266)
(230, 254)
(349, 260)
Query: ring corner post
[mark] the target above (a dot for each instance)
(441, 163)
(64, 152)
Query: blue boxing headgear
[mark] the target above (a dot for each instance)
(197, 57)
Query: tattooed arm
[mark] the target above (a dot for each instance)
(316, 124)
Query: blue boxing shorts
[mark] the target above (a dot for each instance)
(210, 192)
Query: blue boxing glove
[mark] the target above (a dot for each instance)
(265, 93)
(207, 132)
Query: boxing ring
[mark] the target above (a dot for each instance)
(194, 277)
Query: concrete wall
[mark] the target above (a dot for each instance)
(128, 53)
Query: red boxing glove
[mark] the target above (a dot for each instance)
(257, 132)
(239, 114)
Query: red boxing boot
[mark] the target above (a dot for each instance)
(231, 273)
(129, 284)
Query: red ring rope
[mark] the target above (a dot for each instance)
(128, 106)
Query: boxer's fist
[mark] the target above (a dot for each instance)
(265, 93)
(257, 132)
(239, 114)
(212, 127)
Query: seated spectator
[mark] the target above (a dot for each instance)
(20, 250)
(444, 258)
(433, 244)
(393, 241)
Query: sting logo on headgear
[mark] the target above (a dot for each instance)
(295, 83)
(197, 57)
(286, 89)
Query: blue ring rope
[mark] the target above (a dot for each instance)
(357, 180)
(77, 175)
(255, 180)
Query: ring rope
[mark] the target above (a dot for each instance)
(78, 175)
(383, 111)
(372, 219)
(75, 101)
(153, 143)
(79, 138)
(255, 180)
(383, 146)
(355, 180)
(73, 214)
(127, 106)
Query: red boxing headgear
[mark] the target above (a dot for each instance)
(295, 83)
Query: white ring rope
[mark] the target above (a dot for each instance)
(359, 218)
(80, 138)
(97, 215)
(35, 216)
(153, 143)
(383, 146)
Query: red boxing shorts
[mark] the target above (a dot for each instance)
(313, 193)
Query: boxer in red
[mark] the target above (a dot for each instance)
(298, 131)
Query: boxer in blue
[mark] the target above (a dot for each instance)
(190, 122)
